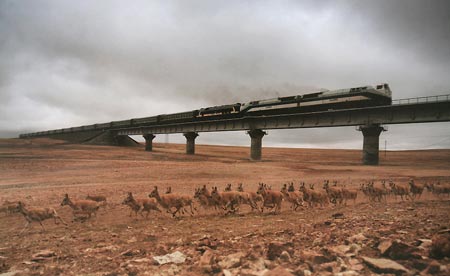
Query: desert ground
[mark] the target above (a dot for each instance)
(363, 237)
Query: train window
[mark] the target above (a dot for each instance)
(379, 86)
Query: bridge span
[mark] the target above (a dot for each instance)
(369, 120)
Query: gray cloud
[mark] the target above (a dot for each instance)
(66, 63)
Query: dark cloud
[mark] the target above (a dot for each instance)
(66, 63)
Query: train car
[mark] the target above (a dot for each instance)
(103, 126)
(219, 110)
(119, 124)
(178, 117)
(89, 127)
(144, 121)
(357, 97)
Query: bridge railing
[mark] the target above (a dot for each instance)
(427, 99)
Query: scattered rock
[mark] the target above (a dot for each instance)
(285, 257)
(420, 264)
(207, 242)
(440, 246)
(358, 238)
(276, 248)
(385, 266)
(141, 260)
(176, 257)
(208, 262)
(354, 248)
(11, 273)
(255, 266)
(226, 272)
(329, 267)
(337, 215)
(303, 270)
(340, 250)
(131, 252)
(424, 243)
(132, 240)
(278, 271)
(249, 272)
(433, 268)
(315, 258)
(232, 260)
(348, 273)
(397, 250)
(207, 258)
(43, 255)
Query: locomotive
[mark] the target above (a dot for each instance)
(356, 97)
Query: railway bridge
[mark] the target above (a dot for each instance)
(369, 120)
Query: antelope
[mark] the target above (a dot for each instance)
(439, 189)
(271, 199)
(416, 189)
(140, 205)
(313, 197)
(97, 198)
(291, 187)
(349, 194)
(334, 193)
(375, 193)
(203, 195)
(37, 214)
(169, 201)
(88, 207)
(255, 197)
(294, 197)
(9, 207)
(399, 189)
(225, 200)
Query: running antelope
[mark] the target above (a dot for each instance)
(38, 214)
(228, 201)
(294, 197)
(203, 195)
(170, 201)
(400, 190)
(97, 198)
(334, 193)
(9, 207)
(313, 197)
(271, 199)
(416, 189)
(140, 205)
(87, 207)
(255, 197)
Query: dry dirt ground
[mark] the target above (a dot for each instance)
(317, 241)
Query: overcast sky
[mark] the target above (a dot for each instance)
(70, 63)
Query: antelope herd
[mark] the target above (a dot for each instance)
(230, 201)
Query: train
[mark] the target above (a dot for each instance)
(325, 100)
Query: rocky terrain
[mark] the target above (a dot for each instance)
(365, 237)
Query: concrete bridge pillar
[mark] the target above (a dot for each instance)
(371, 143)
(149, 141)
(256, 136)
(190, 142)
